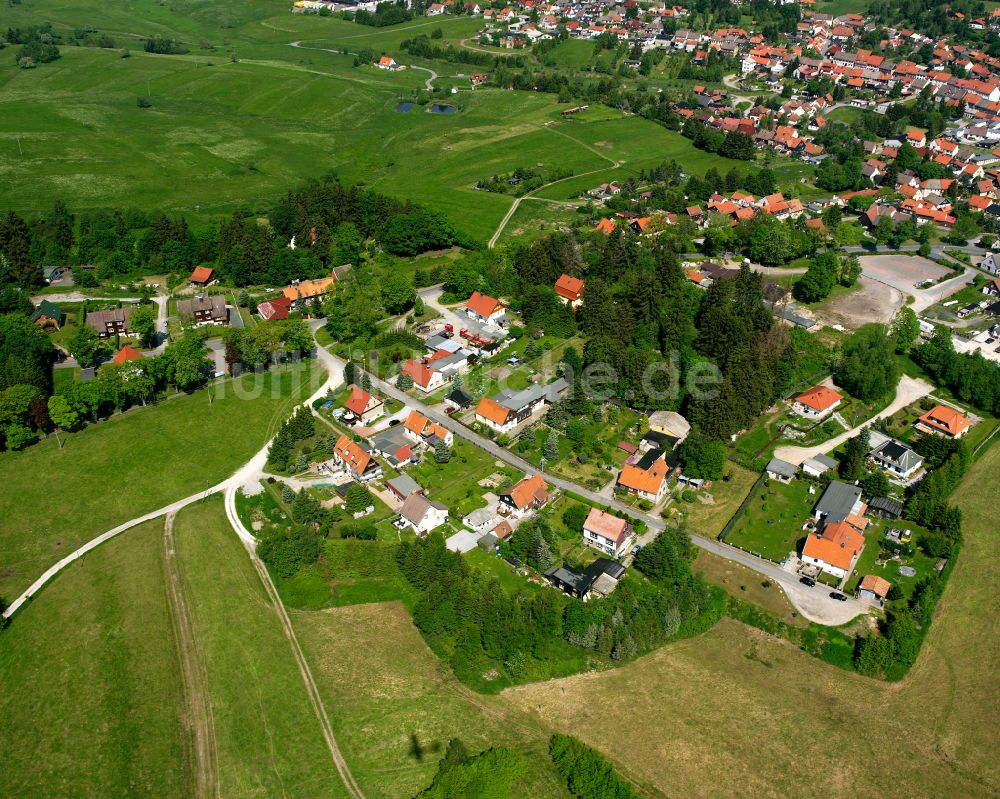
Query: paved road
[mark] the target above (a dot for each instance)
(908, 391)
(813, 603)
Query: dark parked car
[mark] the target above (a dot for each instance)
(838, 596)
(807, 581)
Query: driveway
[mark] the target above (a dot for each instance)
(908, 391)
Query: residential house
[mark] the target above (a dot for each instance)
(301, 292)
(873, 587)
(782, 471)
(402, 486)
(275, 310)
(607, 532)
(599, 579)
(113, 322)
(835, 550)
(483, 308)
(647, 478)
(365, 407)
(507, 409)
(817, 402)
(356, 460)
(388, 63)
(422, 430)
(422, 515)
(671, 425)
(841, 502)
(570, 290)
(481, 520)
(897, 459)
(943, 421)
(127, 353)
(424, 377)
(393, 445)
(991, 264)
(204, 309)
(523, 497)
(47, 315)
(457, 400)
(202, 276)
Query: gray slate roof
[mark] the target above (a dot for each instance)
(837, 501)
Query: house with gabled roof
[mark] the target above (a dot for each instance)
(47, 315)
(425, 378)
(646, 478)
(835, 550)
(484, 308)
(364, 406)
(524, 497)
(422, 430)
(421, 514)
(608, 533)
(356, 460)
(569, 289)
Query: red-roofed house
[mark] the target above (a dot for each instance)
(835, 550)
(363, 405)
(943, 421)
(817, 402)
(608, 533)
(275, 310)
(570, 290)
(523, 497)
(424, 378)
(483, 307)
(201, 276)
(127, 353)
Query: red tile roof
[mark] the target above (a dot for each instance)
(127, 353)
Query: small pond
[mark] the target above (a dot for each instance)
(437, 108)
(404, 107)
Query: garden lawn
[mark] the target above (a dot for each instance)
(91, 680)
(708, 518)
(268, 739)
(56, 499)
(772, 524)
(455, 483)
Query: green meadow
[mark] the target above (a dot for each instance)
(224, 134)
(55, 499)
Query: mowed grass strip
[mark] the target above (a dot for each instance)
(735, 712)
(394, 705)
(269, 742)
(91, 689)
(53, 500)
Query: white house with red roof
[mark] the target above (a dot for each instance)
(483, 308)
(366, 407)
(608, 533)
(424, 377)
(569, 290)
(817, 403)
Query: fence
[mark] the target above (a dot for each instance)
(742, 509)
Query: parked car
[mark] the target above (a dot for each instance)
(838, 596)
(807, 581)
(636, 549)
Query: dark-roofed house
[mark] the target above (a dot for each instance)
(780, 470)
(204, 309)
(841, 502)
(112, 322)
(47, 315)
(897, 459)
(599, 578)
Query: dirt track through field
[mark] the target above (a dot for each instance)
(202, 752)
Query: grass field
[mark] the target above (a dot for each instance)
(708, 518)
(772, 524)
(268, 740)
(394, 706)
(733, 687)
(56, 499)
(91, 681)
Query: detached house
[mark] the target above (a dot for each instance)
(483, 308)
(647, 479)
(507, 409)
(835, 550)
(365, 407)
(422, 515)
(817, 402)
(608, 533)
(204, 310)
(570, 290)
(356, 460)
(897, 459)
(424, 378)
(522, 498)
(422, 430)
(943, 421)
(113, 322)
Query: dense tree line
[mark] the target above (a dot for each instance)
(488, 775)
(385, 14)
(868, 369)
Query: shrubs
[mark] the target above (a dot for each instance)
(588, 775)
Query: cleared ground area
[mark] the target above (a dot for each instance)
(901, 271)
